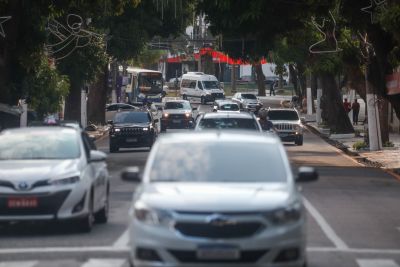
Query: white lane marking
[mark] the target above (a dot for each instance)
(326, 228)
(18, 263)
(354, 250)
(376, 263)
(62, 249)
(123, 240)
(104, 263)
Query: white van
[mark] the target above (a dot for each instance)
(202, 86)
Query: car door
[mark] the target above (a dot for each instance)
(98, 175)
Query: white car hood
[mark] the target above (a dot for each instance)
(216, 197)
(177, 111)
(34, 170)
(250, 101)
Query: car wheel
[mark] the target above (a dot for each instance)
(86, 224)
(113, 148)
(184, 97)
(102, 215)
(203, 100)
(299, 141)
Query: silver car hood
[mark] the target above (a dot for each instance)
(34, 170)
(216, 197)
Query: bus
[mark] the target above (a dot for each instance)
(144, 85)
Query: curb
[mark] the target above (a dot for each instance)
(356, 156)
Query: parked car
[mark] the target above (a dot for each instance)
(135, 128)
(203, 202)
(177, 114)
(51, 173)
(287, 124)
(248, 101)
(228, 121)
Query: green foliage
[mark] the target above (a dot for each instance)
(359, 145)
(388, 144)
(46, 88)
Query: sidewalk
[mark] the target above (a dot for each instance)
(388, 158)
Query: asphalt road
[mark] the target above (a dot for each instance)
(353, 218)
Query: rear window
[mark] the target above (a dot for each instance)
(218, 162)
(229, 107)
(228, 123)
(284, 115)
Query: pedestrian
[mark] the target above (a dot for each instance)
(265, 123)
(272, 88)
(356, 110)
(346, 105)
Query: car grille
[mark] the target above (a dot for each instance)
(284, 126)
(190, 256)
(132, 131)
(48, 204)
(34, 185)
(207, 230)
(217, 95)
(177, 116)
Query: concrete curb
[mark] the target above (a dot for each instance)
(356, 156)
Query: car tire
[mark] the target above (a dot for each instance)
(85, 224)
(184, 97)
(299, 141)
(203, 100)
(102, 215)
(113, 148)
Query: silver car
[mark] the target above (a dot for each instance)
(228, 121)
(50, 173)
(204, 202)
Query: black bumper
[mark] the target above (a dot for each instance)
(176, 123)
(130, 141)
(289, 137)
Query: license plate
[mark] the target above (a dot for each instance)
(218, 253)
(131, 140)
(22, 202)
(176, 121)
(283, 134)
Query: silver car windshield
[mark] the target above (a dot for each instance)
(218, 162)
(228, 123)
(39, 145)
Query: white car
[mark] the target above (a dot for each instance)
(204, 202)
(204, 87)
(247, 101)
(50, 173)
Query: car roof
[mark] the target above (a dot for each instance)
(41, 129)
(282, 109)
(242, 115)
(177, 101)
(219, 136)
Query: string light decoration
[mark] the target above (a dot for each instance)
(2, 20)
(70, 37)
(326, 32)
(374, 9)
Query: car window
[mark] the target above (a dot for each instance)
(199, 85)
(229, 107)
(132, 117)
(177, 105)
(211, 84)
(63, 144)
(208, 162)
(228, 123)
(112, 108)
(285, 115)
(249, 96)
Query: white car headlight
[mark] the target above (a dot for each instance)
(145, 129)
(188, 115)
(290, 214)
(117, 130)
(166, 115)
(66, 181)
(151, 216)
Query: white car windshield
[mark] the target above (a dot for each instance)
(177, 105)
(218, 162)
(211, 85)
(39, 145)
(283, 115)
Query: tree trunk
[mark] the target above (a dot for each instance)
(333, 112)
(356, 80)
(97, 99)
(207, 64)
(259, 78)
(73, 103)
(384, 119)
(303, 80)
(293, 79)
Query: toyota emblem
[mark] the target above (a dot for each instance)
(23, 186)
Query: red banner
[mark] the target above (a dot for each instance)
(218, 57)
(393, 83)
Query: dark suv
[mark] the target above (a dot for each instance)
(134, 128)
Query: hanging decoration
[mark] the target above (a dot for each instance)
(2, 20)
(328, 30)
(70, 37)
(374, 9)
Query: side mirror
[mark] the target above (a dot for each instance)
(194, 109)
(131, 174)
(97, 156)
(307, 174)
(110, 122)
